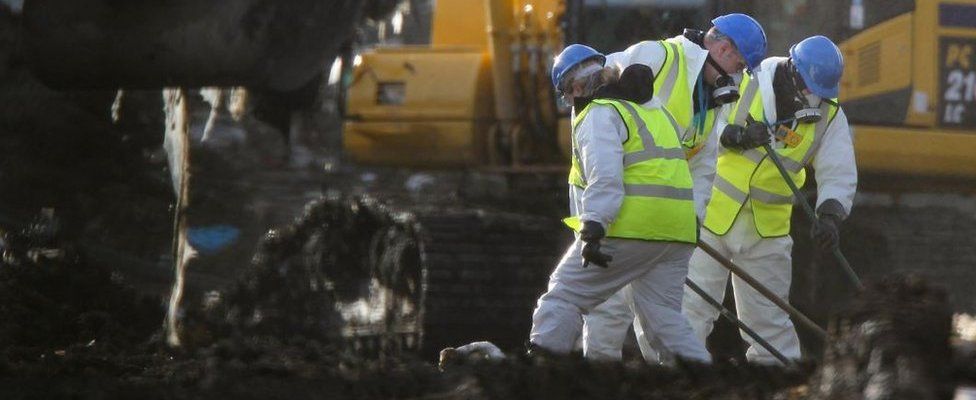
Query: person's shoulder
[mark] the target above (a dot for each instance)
(644, 47)
(602, 106)
(594, 106)
(764, 73)
(648, 52)
(684, 41)
(839, 111)
(604, 109)
(647, 44)
(769, 64)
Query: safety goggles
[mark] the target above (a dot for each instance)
(565, 85)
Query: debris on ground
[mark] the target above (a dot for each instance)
(893, 342)
(470, 353)
(274, 333)
(52, 298)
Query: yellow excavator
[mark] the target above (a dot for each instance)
(479, 95)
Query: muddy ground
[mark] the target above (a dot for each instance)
(73, 329)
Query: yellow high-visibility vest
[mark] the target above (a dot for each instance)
(657, 201)
(677, 96)
(751, 175)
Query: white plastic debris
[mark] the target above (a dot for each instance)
(367, 177)
(964, 325)
(487, 350)
(477, 351)
(214, 96)
(417, 183)
(117, 106)
(965, 393)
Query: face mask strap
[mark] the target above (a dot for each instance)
(806, 113)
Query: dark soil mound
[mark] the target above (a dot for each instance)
(891, 343)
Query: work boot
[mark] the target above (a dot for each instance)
(540, 355)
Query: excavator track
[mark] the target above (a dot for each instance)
(426, 277)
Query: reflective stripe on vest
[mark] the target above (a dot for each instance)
(749, 175)
(658, 194)
(677, 96)
(674, 56)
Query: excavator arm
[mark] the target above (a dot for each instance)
(264, 44)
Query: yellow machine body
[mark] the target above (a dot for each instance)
(416, 106)
(441, 105)
(909, 89)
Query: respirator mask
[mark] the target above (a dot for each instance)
(726, 90)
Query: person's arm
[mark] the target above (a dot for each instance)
(836, 173)
(702, 164)
(600, 137)
(835, 167)
(649, 53)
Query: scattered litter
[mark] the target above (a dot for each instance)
(211, 239)
(964, 326)
(471, 352)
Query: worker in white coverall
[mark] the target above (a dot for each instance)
(792, 103)
(693, 81)
(631, 206)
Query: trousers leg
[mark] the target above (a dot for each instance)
(657, 299)
(605, 327)
(605, 330)
(573, 290)
(712, 277)
(769, 261)
(650, 345)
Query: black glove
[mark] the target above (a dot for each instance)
(827, 229)
(754, 134)
(590, 234)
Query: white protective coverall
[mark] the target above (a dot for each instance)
(655, 270)
(605, 328)
(769, 259)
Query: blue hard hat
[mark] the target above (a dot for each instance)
(570, 57)
(747, 35)
(820, 65)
